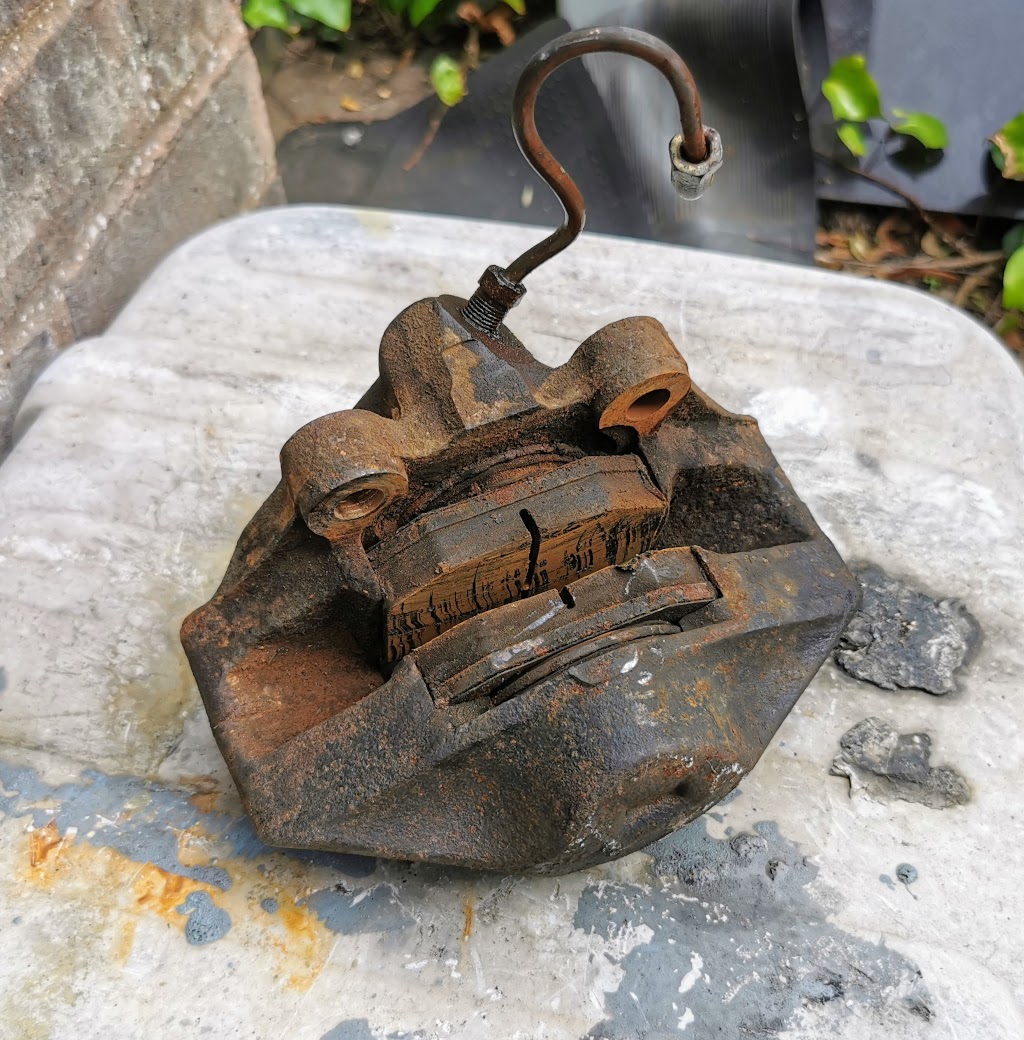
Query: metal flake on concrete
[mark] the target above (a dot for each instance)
(786, 911)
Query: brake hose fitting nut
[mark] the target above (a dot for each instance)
(692, 179)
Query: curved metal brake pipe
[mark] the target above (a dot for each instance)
(539, 156)
(501, 289)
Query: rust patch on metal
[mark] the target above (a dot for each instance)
(527, 643)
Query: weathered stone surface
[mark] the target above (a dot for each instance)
(75, 106)
(193, 186)
(126, 127)
(173, 57)
(903, 639)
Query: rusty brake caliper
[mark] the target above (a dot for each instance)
(514, 617)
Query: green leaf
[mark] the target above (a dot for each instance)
(851, 90)
(260, 13)
(1013, 281)
(853, 137)
(1008, 148)
(448, 79)
(335, 14)
(929, 130)
(519, 6)
(420, 9)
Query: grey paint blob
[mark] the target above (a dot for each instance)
(207, 922)
(3, 680)
(907, 873)
(359, 1029)
(350, 1029)
(734, 924)
(375, 909)
(903, 639)
(886, 764)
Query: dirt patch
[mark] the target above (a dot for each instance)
(368, 81)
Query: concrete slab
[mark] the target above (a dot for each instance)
(135, 900)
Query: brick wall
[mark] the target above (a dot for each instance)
(125, 127)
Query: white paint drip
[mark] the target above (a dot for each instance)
(693, 975)
(685, 1019)
(630, 664)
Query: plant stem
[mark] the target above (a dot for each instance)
(912, 201)
(428, 137)
(927, 263)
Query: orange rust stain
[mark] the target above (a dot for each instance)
(45, 847)
(306, 941)
(125, 941)
(194, 846)
(104, 878)
(160, 892)
(205, 801)
(467, 927)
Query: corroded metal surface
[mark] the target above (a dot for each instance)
(509, 616)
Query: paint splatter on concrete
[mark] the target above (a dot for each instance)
(907, 873)
(351, 1029)
(270, 905)
(207, 922)
(902, 639)
(375, 909)
(139, 820)
(359, 1029)
(142, 820)
(740, 908)
(884, 764)
(3, 680)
